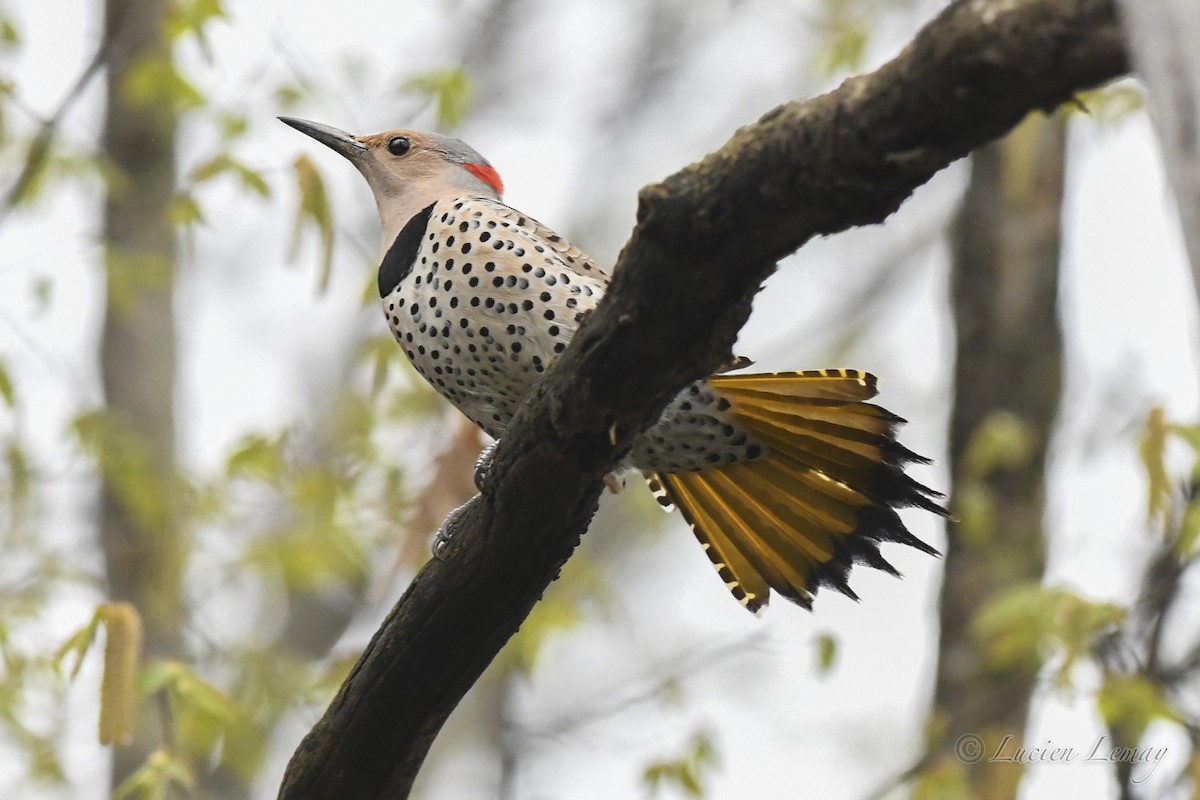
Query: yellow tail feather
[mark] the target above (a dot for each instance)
(820, 499)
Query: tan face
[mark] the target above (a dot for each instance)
(394, 159)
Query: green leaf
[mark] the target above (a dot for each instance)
(289, 96)
(6, 386)
(154, 82)
(1014, 624)
(1151, 448)
(549, 617)
(1189, 433)
(945, 779)
(1129, 703)
(20, 478)
(152, 780)
(252, 180)
(126, 463)
(1019, 627)
(133, 274)
(256, 456)
(1002, 440)
(192, 17)
(1113, 103)
(1189, 532)
(196, 693)
(207, 170)
(9, 36)
(232, 125)
(43, 293)
(827, 645)
(223, 163)
(685, 772)
(79, 644)
(976, 509)
(449, 89)
(314, 210)
(316, 553)
(184, 211)
(158, 675)
(847, 33)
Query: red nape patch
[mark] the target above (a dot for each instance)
(487, 173)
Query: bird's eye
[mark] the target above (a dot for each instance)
(398, 145)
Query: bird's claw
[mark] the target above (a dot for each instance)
(445, 533)
(483, 464)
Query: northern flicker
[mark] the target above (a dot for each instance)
(787, 479)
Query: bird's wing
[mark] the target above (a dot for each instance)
(571, 255)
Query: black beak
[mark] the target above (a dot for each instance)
(331, 137)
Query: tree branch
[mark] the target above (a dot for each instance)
(705, 240)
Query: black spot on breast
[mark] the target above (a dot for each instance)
(398, 261)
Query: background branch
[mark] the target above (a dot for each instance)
(706, 238)
(39, 147)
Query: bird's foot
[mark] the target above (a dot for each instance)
(483, 464)
(614, 483)
(445, 534)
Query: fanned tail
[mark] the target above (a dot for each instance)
(820, 500)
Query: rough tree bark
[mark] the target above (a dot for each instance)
(142, 551)
(705, 239)
(1006, 245)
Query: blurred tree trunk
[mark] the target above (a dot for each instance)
(142, 543)
(1163, 36)
(1008, 375)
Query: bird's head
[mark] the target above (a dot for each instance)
(408, 170)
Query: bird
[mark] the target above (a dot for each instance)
(787, 479)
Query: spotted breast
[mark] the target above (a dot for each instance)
(485, 299)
